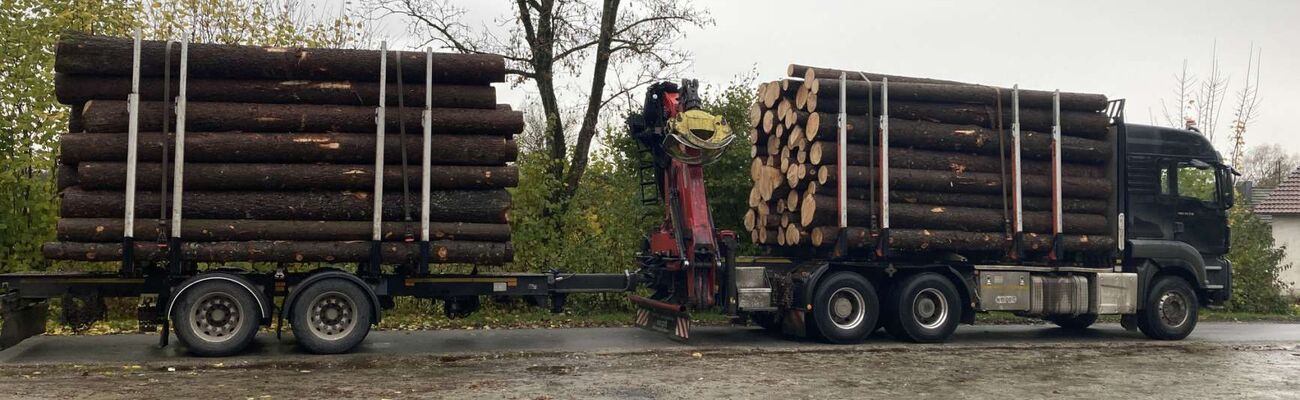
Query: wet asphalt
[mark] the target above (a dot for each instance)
(142, 348)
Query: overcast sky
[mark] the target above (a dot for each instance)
(1124, 49)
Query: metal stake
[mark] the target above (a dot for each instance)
(380, 121)
(178, 171)
(132, 140)
(841, 154)
(884, 153)
(1016, 195)
(426, 165)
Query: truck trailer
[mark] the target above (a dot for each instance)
(1159, 259)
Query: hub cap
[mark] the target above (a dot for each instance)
(930, 308)
(1173, 309)
(845, 308)
(333, 316)
(216, 317)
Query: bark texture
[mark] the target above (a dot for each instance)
(211, 230)
(236, 177)
(442, 251)
(102, 55)
(110, 116)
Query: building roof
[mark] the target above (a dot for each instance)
(1285, 199)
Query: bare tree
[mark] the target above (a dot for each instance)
(550, 42)
(1267, 165)
(1209, 99)
(1182, 96)
(1247, 106)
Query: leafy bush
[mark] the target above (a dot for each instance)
(1256, 266)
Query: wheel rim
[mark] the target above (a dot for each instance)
(1173, 309)
(332, 315)
(930, 308)
(216, 317)
(845, 308)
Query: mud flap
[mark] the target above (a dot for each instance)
(677, 325)
(22, 322)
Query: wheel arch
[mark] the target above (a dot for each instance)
(330, 273)
(264, 305)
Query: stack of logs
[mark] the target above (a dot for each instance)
(280, 152)
(949, 157)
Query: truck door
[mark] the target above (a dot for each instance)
(1200, 219)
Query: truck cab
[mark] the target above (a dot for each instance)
(1178, 192)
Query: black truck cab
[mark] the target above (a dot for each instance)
(1177, 195)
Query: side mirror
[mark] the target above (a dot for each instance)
(1227, 191)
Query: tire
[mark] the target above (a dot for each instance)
(1170, 310)
(925, 308)
(215, 318)
(1073, 322)
(331, 316)
(845, 308)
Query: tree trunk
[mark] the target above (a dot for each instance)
(110, 116)
(442, 251)
(821, 211)
(828, 90)
(925, 239)
(949, 198)
(101, 55)
(958, 138)
(1090, 125)
(76, 89)
(824, 153)
(211, 230)
(970, 182)
(231, 177)
(482, 206)
(802, 71)
(220, 147)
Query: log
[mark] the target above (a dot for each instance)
(789, 87)
(102, 55)
(755, 114)
(926, 239)
(814, 73)
(358, 148)
(949, 198)
(959, 138)
(110, 116)
(211, 230)
(821, 210)
(481, 206)
(824, 153)
(442, 251)
(232, 177)
(1092, 125)
(796, 236)
(970, 182)
(829, 90)
(771, 93)
(77, 89)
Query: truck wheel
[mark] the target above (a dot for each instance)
(1170, 310)
(215, 318)
(845, 308)
(1073, 322)
(331, 316)
(925, 308)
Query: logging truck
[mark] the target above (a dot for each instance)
(857, 256)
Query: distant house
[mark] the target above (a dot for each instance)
(1282, 209)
